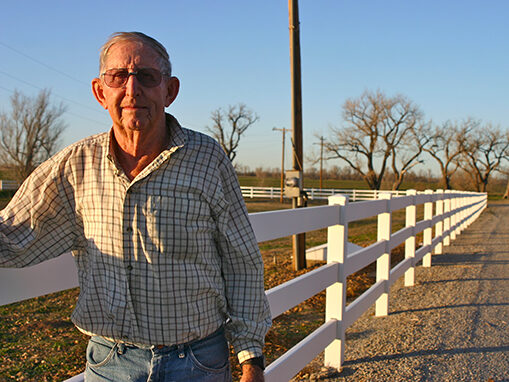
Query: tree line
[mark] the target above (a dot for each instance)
(384, 134)
(381, 137)
(31, 132)
(388, 136)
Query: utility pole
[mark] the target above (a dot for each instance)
(321, 160)
(299, 241)
(282, 162)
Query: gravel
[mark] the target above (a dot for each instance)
(453, 325)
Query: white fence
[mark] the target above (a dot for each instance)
(8, 185)
(445, 213)
(274, 192)
(316, 193)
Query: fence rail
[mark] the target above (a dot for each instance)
(316, 193)
(274, 192)
(8, 185)
(445, 213)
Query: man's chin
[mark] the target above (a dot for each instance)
(136, 125)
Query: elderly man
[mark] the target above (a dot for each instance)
(168, 264)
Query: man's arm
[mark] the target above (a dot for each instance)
(252, 373)
(35, 225)
(249, 311)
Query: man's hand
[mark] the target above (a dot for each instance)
(252, 373)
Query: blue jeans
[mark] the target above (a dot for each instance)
(205, 360)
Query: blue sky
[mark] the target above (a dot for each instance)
(450, 57)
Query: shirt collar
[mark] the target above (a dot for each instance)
(177, 137)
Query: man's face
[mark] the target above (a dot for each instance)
(134, 106)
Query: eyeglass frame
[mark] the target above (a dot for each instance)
(134, 73)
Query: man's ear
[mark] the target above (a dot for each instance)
(173, 86)
(98, 90)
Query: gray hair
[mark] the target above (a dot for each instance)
(140, 38)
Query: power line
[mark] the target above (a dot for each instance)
(43, 64)
(321, 160)
(70, 113)
(283, 130)
(39, 88)
(86, 118)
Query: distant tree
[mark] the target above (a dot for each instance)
(505, 172)
(228, 127)
(317, 158)
(446, 144)
(483, 152)
(30, 134)
(377, 127)
(406, 155)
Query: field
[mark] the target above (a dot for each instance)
(39, 343)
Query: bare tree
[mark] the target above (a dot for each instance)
(446, 143)
(30, 134)
(406, 155)
(377, 127)
(505, 171)
(483, 152)
(229, 126)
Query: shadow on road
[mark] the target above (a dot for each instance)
(448, 307)
(431, 352)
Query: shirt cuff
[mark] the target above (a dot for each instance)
(248, 354)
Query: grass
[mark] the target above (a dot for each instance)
(39, 343)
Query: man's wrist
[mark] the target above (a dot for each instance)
(256, 361)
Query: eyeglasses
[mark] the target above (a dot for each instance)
(117, 78)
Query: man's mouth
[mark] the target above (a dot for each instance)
(133, 107)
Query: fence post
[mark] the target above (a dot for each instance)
(439, 227)
(454, 216)
(337, 238)
(459, 215)
(427, 234)
(472, 209)
(410, 215)
(383, 263)
(447, 220)
(464, 213)
(473, 199)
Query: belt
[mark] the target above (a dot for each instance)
(146, 346)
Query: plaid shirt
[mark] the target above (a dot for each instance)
(164, 259)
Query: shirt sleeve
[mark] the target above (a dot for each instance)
(35, 226)
(248, 308)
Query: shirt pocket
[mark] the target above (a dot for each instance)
(179, 224)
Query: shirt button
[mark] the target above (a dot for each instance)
(129, 229)
(129, 267)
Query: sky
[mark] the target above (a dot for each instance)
(450, 57)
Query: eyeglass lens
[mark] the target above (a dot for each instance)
(147, 77)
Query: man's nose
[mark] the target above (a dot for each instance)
(132, 85)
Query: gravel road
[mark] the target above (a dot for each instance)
(453, 325)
